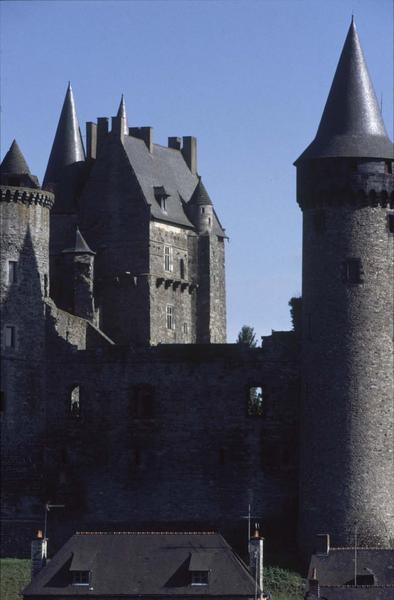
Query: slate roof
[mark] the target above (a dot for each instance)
(80, 246)
(67, 147)
(14, 162)
(144, 564)
(165, 167)
(337, 568)
(200, 195)
(351, 125)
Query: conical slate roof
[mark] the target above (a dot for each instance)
(79, 246)
(351, 125)
(67, 146)
(14, 162)
(122, 113)
(200, 195)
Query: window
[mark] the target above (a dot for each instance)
(141, 401)
(168, 259)
(185, 328)
(388, 166)
(182, 268)
(352, 270)
(163, 204)
(75, 406)
(255, 401)
(170, 322)
(45, 285)
(200, 577)
(12, 271)
(10, 337)
(202, 210)
(390, 219)
(81, 577)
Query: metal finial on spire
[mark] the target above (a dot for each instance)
(123, 115)
(351, 124)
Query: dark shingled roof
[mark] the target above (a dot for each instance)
(200, 195)
(67, 146)
(144, 564)
(351, 125)
(79, 247)
(14, 162)
(337, 568)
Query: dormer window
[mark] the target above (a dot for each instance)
(200, 577)
(81, 577)
(161, 197)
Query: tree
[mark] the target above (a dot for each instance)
(247, 336)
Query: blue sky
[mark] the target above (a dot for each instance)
(248, 78)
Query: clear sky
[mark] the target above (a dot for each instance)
(248, 78)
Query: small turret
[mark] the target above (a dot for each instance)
(78, 276)
(67, 159)
(14, 170)
(201, 209)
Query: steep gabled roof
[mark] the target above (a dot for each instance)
(144, 564)
(351, 125)
(14, 162)
(67, 147)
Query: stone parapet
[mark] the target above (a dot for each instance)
(26, 196)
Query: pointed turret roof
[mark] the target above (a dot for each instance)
(79, 246)
(351, 125)
(200, 195)
(67, 146)
(122, 113)
(14, 162)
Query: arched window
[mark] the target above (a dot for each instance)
(74, 402)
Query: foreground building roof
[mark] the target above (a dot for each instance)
(352, 124)
(144, 564)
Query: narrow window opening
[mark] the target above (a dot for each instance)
(168, 259)
(185, 328)
(75, 405)
(388, 166)
(255, 401)
(45, 285)
(12, 271)
(390, 219)
(182, 268)
(202, 210)
(209, 220)
(2, 402)
(10, 337)
(170, 322)
(352, 270)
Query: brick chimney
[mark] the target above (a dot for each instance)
(189, 151)
(314, 588)
(143, 133)
(38, 554)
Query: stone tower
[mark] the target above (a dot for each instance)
(345, 190)
(24, 257)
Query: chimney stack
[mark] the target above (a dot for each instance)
(175, 143)
(143, 133)
(256, 553)
(314, 587)
(91, 140)
(189, 151)
(102, 132)
(118, 128)
(322, 544)
(38, 554)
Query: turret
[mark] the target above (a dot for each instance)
(78, 265)
(344, 187)
(200, 209)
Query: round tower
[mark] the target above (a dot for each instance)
(24, 262)
(345, 190)
(201, 209)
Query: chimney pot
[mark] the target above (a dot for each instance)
(175, 143)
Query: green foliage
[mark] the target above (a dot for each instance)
(247, 336)
(283, 584)
(14, 576)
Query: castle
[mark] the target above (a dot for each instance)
(121, 401)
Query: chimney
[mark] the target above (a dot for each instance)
(189, 152)
(256, 552)
(314, 587)
(117, 128)
(322, 544)
(102, 132)
(38, 554)
(143, 133)
(91, 140)
(175, 143)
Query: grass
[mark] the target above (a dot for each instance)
(14, 576)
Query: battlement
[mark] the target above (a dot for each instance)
(26, 196)
(335, 182)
